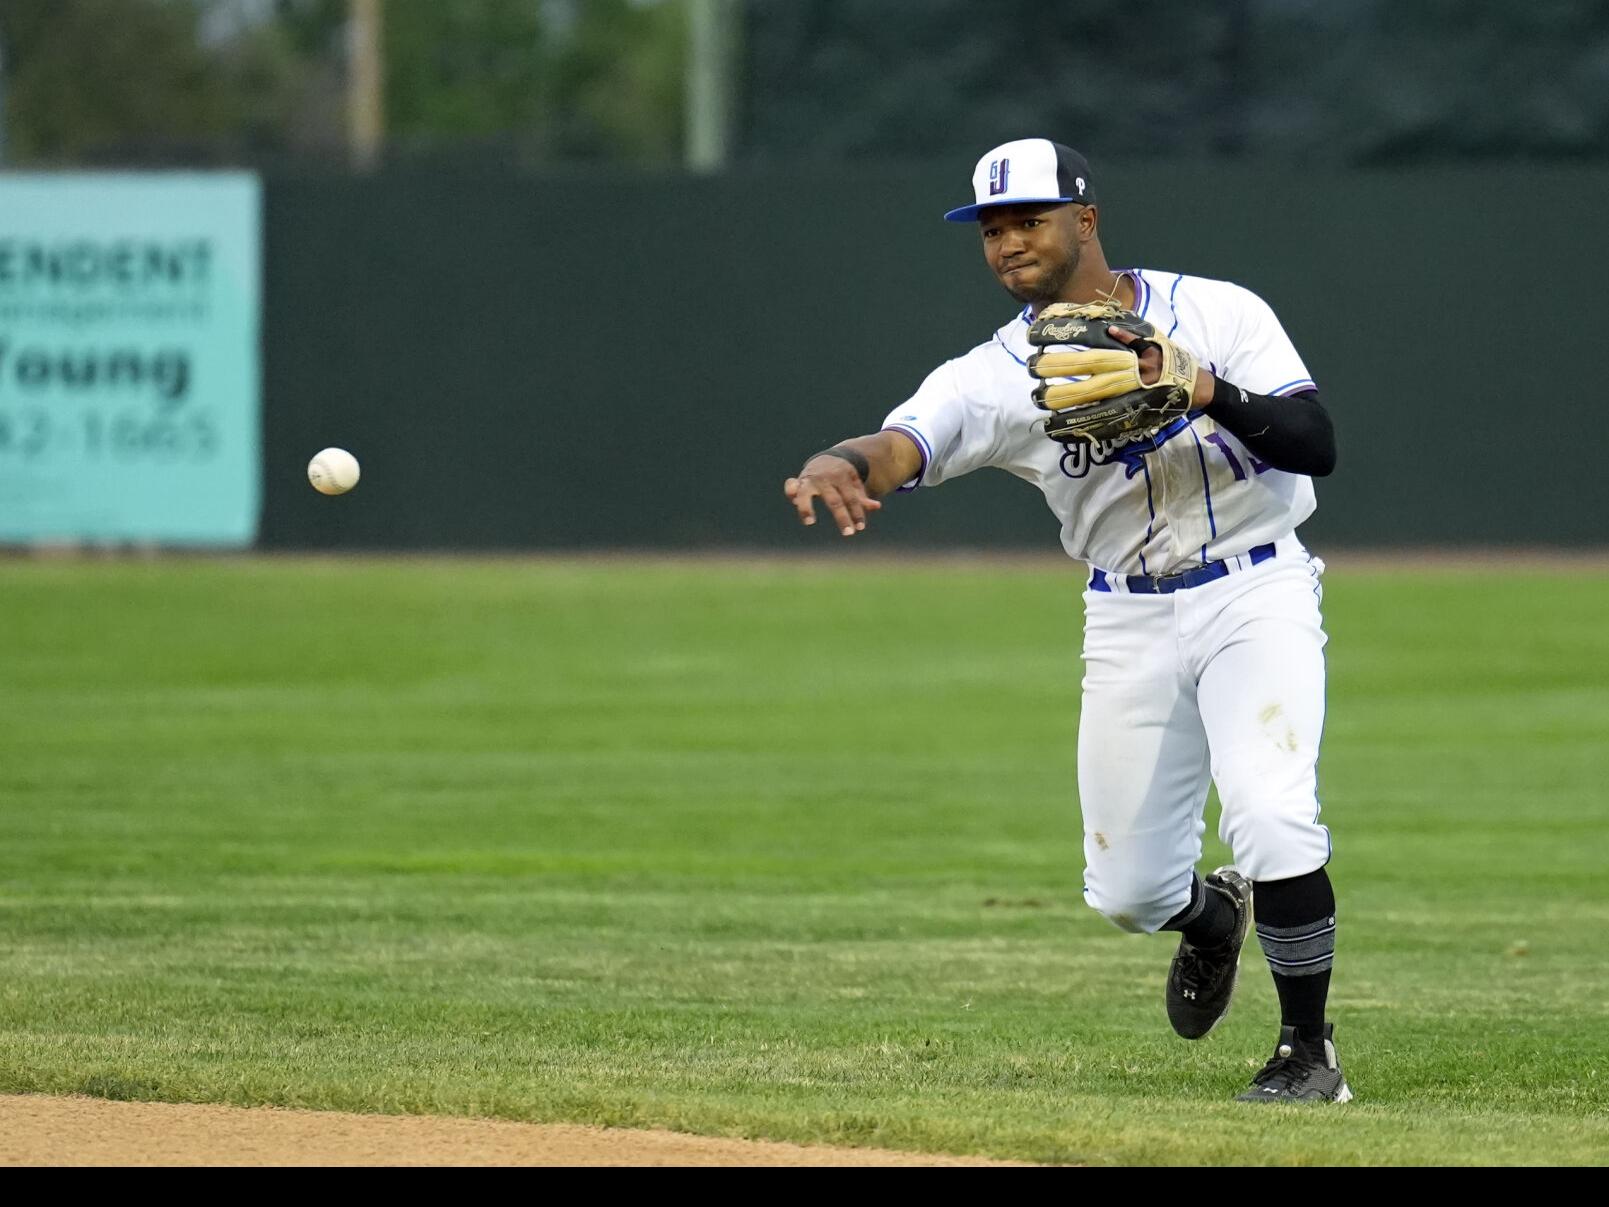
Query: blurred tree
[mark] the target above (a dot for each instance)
(530, 81)
(88, 74)
(1362, 82)
(472, 68)
(550, 80)
(617, 90)
(130, 81)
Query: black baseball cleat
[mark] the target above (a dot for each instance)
(1299, 1072)
(1202, 979)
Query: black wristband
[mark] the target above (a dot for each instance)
(862, 466)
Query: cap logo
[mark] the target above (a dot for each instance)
(1080, 183)
(998, 170)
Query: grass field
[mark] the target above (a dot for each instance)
(787, 851)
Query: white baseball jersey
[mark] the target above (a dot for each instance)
(1188, 495)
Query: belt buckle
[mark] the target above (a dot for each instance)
(1164, 584)
(1208, 571)
(1195, 575)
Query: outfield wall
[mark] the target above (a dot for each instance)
(639, 361)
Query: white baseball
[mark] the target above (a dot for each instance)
(333, 472)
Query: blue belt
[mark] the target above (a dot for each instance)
(1166, 584)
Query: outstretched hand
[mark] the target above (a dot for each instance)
(835, 482)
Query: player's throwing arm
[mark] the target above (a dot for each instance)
(851, 476)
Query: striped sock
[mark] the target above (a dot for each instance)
(1300, 957)
(1298, 951)
(1296, 927)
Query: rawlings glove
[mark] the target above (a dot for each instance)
(1109, 401)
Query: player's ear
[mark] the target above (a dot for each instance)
(1089, 222)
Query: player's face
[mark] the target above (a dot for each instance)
(1032, 249)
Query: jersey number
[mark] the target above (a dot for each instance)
(1257, 466)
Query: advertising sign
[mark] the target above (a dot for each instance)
(129, 358)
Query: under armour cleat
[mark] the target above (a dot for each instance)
(1299, 1072)
(1201, 981)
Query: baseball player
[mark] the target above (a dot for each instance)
(1203, 643)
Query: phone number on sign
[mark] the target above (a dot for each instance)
(32, 433)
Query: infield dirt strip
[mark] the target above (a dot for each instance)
(39, 1130)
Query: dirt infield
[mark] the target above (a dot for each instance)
(38, 1130)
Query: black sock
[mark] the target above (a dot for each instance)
(1301, 1004)
(1208, 920)
(1296, 927)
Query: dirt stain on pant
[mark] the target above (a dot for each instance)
(1267, 717)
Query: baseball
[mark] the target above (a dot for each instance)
(333, 472)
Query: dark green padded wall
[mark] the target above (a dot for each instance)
(637, 361)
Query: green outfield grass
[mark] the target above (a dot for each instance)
(787, 851)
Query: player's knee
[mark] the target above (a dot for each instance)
(1276, 840)
(1139, 908)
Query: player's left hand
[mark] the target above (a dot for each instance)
(1150, 358)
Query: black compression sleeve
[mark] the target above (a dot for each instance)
(1292, 433)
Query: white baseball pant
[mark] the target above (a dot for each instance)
(1226, 679)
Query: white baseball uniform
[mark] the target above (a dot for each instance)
(1225, 677)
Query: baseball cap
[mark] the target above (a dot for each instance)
(1029, 169)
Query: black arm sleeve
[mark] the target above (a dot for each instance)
(1292, 433)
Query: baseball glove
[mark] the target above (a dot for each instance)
(1109, 401)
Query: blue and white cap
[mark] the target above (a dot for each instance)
(1024, 171)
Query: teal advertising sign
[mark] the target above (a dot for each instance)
(129, 363)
